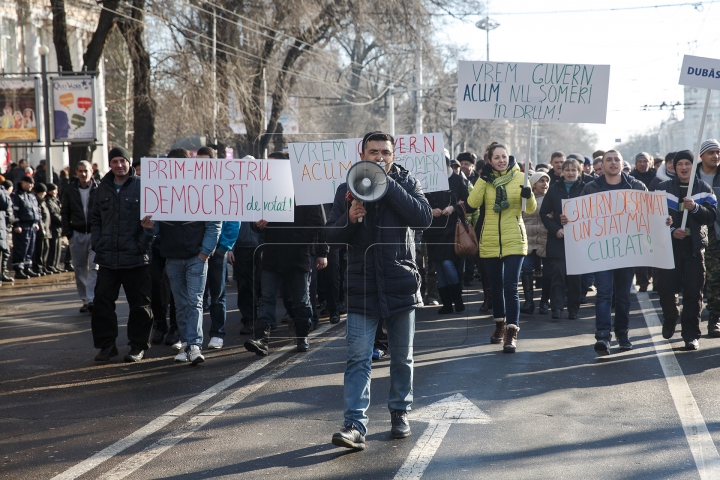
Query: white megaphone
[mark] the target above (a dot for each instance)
(367, 182)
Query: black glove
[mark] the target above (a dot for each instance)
(486, 173)
(525, 192)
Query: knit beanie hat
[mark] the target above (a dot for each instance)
(537, 176)
(118, 152)
(40, 187)
(683, 155)
(51, 187)
(28, 179)
(644, 155)
(709, 144)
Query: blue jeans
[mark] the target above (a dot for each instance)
(504, 274)
(187, 282)
(298, 283)
(619, 281)
(447, 273)
(216, 280)
(530, 262)
(360, 339)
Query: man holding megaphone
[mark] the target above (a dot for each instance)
(375, 213)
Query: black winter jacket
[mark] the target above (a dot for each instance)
(286, 246)
(698, 220)
(382, 275)
(118, 239)
(440, 237)
(25, 208)
(644, 177)
(53, 205)
(44, 224)
(552, 204)
(600, 185)
(716, 189)
(73, 215)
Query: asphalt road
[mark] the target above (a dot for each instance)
(552, 410)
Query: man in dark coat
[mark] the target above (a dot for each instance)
(25, 226)
(617, 280)
(688, 248)
(644, 172)
(55, 234)
(286, 257)
(383, 282)
(75, 210)
(6, 219)
(42, 237)
(122, 250)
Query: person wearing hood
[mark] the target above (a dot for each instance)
(537, 241)
(709, 172)
(447, 207)
(688, 247)
(643, 170)
(503, 240)
(665, 172)
(617, 280)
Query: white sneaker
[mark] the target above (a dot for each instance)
(215, 343)
(179, 345)
(181, 357)
(195, 355)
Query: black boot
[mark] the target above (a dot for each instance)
(259, 344)
(456, 295)
(487, 300)
(302, 329)
(527, 283)
(446, 299)
(545, 295)
(20, 274)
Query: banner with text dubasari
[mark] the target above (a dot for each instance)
(318, 168)
(615, 229)
(550, 92)
(209, 189)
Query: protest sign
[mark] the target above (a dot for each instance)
(73, 104)
(211, 189)
(700, 72)
(19, 103)
(318, 168)
(551, 92)
(616, 229)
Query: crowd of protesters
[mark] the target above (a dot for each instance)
(329, 262)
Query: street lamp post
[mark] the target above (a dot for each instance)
(487, 25)
(43, 51)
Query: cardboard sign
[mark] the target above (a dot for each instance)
(550, 92)
(318, 168)
(206, 189)
(73, 104)
(700, 72)
(616, 229)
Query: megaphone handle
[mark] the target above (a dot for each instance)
(354, 202)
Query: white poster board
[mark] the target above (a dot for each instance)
(318, 168)
(209, 189)
(550, 92)
(700, 72)
(73, 104)
(616, 229)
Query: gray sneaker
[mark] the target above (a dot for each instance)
(349, 437)
(624, 342)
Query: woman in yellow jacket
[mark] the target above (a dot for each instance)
(503, 242)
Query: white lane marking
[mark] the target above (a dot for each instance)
(200, 420)
(439, 415)
(701, 443)
(166, 418)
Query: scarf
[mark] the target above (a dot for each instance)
(501, 198)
